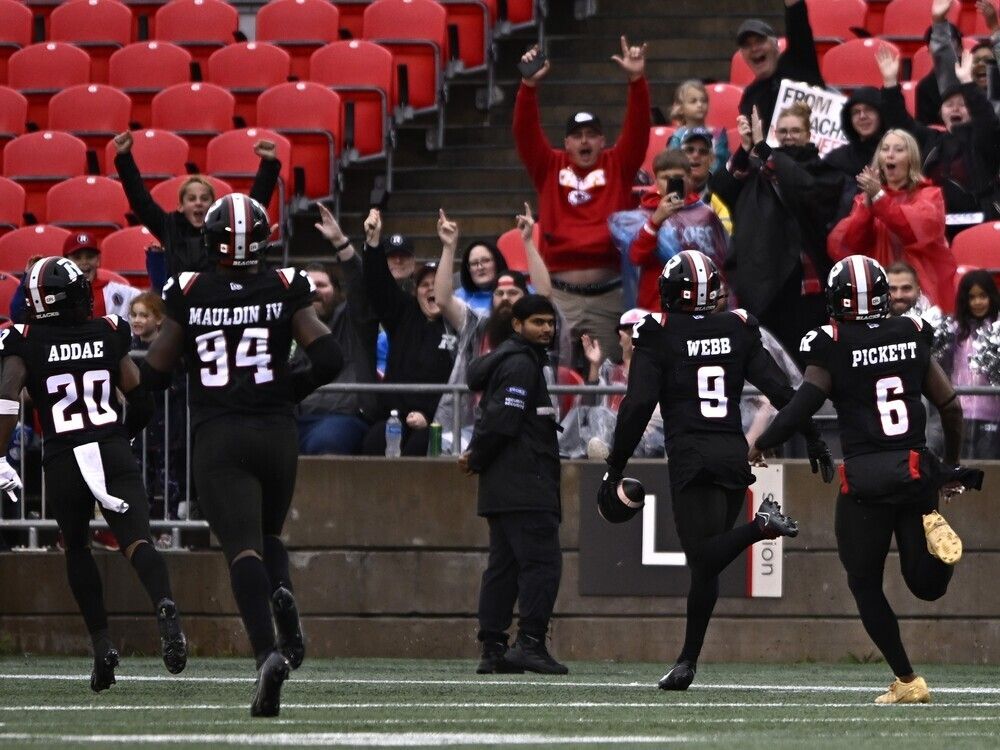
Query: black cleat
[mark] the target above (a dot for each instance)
(286, 618)
(173, 644)
(773, 523)
(103, 675)
(494, 661)
(678, 678)
(529, 654)
(267, 692)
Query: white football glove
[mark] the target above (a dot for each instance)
(9, 480)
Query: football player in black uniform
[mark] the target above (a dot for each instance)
(875, 368)
(234, 328)
(74, 368)
(694, 364)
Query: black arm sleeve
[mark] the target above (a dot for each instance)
(637, 407)
(153, 379)
(326, 360)
(793, 416)
(141, 202)
(510, 393)
(140, 410)
(265, 181)
(384, 295)
(771, 380)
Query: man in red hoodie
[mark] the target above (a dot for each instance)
(579, 187)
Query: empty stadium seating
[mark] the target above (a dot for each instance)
(832, 21)
(124, 252)
(300, 27)
(199, 26)
(246, 69)
(144, 69)
(230, 157)
(99, 26)
(40, 160)
(159, 154)
(15, 32)
(19, 246)
(852, 64)
(197, 111)
(41, 70)
(13, 114)
(723, 104)
(95, 204)
(11, 205)
(92, 112)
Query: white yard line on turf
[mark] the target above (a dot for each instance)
(665, 704)
(369, 739)
(505, 682)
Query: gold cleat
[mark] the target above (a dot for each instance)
(906, 692)
(942, 541)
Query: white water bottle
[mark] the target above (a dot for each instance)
(393, 435)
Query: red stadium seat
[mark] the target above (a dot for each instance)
(11, 205)
(40, 160)
(511, 246)
(739, 71)
(852, 64)
(247, 69)
(309, 115)
(200, 26)
(124, 252)
(568, 376)
(21, 245)
(8, 288)
(978, 246)
(13, 114)
(300, 27)
(362, 73)
(520, 14)
(144, 69)
(352, 17)
(41, 70)
(906, 21)
(99, 26)
(659, 136)
(723, 105)
(231, 157)
(159, 154)
(832, 21)
(876, 16)
(472, 22)
(923, 63)
(197, 111)
(167, 193)
(96, 204)
(15, 32)
(416, 33)
(91, 112)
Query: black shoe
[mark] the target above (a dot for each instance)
(529, 653)
(267, 692)
(773, 523)
(678, 678)
(103, 675)
(286, 618)
(494, 661)
(173, 644)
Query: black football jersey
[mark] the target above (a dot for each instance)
(73, 378)
(878, 369)
(695, 367)
(237, 336)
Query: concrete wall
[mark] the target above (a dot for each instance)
(387, 556)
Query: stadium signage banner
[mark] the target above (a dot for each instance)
(643, 557)
(826, 106)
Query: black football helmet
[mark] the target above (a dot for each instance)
(617, 503)
(857, 289)
(690, 283)
(58, 292)
(236, 230)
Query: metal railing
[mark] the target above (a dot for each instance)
(34, 521)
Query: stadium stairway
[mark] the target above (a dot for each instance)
(477, 177)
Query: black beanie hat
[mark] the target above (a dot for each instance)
(532, 304)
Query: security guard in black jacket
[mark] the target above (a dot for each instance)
(515, 452)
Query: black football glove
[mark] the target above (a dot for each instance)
(820, 460)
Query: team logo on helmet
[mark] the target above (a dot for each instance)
(58, 290)
(857, 289)
(690, 282)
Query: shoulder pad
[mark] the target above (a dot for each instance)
(186, 280)
(287, 276)
(113, 321)
(829, 331)
(645, 331)
(813, 337)
(740, 313)
(21, 328)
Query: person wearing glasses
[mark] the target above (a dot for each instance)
(697, 147)
(782, 200)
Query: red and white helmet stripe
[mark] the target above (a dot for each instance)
(699, 272)
(241, 221)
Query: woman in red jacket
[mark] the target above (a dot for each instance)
(899, 215)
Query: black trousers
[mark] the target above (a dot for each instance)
(244, 470)
(73, 503)
(864, 531)
(525, 566)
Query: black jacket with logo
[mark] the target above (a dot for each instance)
(514, 448)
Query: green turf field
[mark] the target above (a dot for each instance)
(381, 702)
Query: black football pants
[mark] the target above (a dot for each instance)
(864, 531)
(705, 515)
(525, 566)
